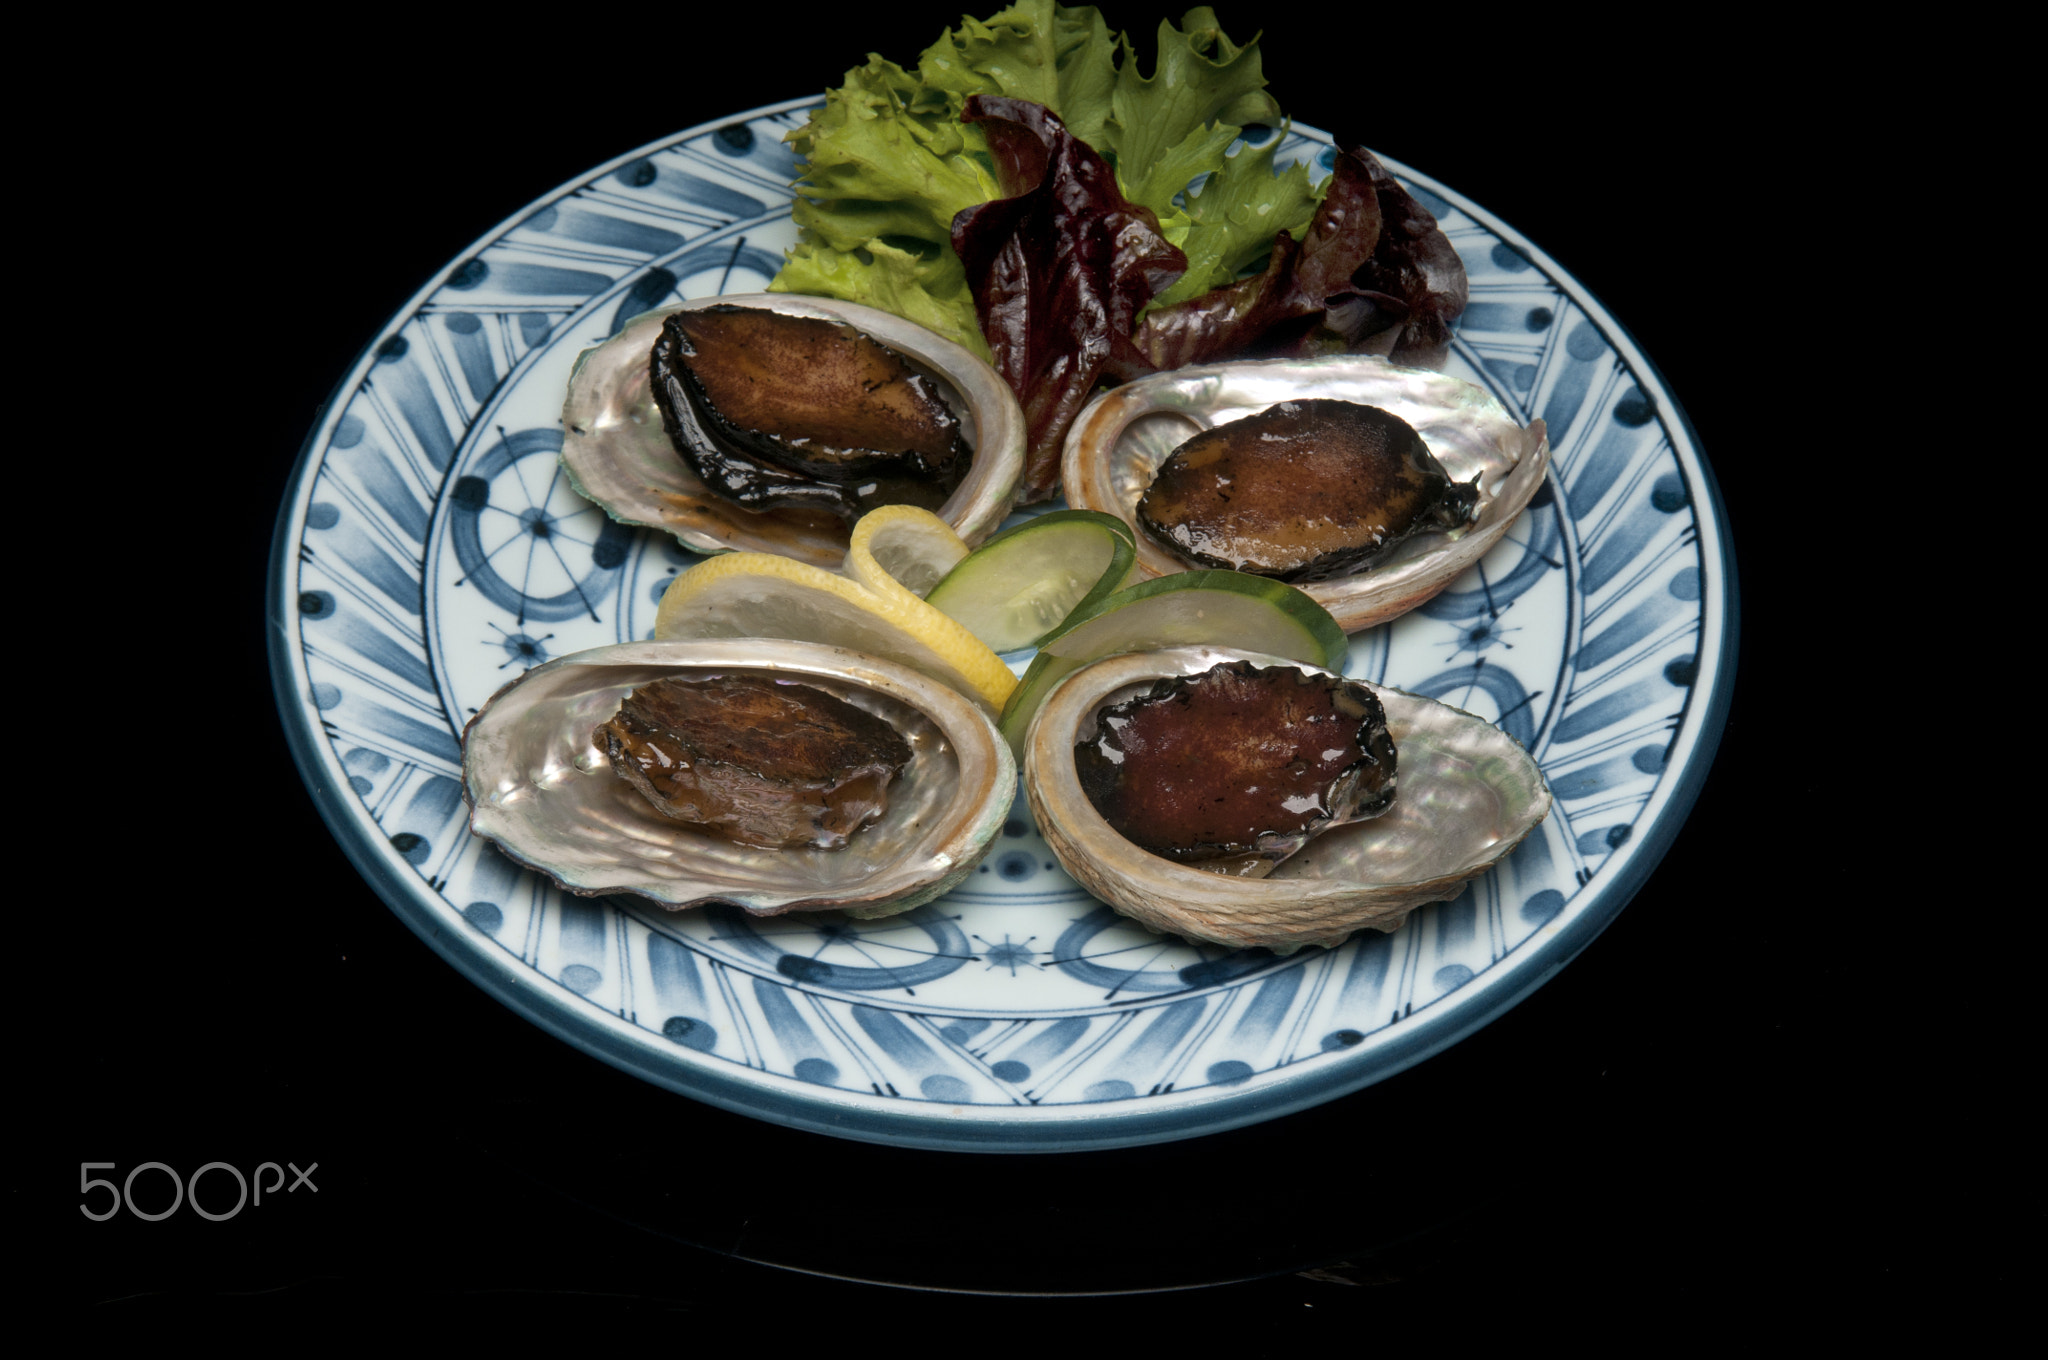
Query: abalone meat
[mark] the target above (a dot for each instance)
(1303, 490)
(762, 762)
(1240, 766)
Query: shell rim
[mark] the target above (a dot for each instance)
(587, 1027)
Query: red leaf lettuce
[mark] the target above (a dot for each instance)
(1059, 268)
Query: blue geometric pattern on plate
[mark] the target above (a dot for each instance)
(430, 552)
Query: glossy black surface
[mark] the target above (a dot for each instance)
(798, 465)
(1727, 1103)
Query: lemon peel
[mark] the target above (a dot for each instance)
(902, 547)
(748, 594)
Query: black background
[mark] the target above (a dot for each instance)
(1734, 1099)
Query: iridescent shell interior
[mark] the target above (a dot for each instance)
(617, 453)
(1119, 441)
(548, 798)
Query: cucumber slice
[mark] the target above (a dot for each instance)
(1045, 671)
(1193, 608)
(1022, 586)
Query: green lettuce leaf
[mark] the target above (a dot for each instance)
(1037, 50)
(884, 137)
(848, 224)
(1235, 216)
(1198, 153)
(1199, 75)
(922, 285)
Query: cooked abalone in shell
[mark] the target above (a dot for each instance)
(765, 762)
(1303, 490)
(1468, 795)
(616, 450)
(1238, 767)
(552, 798)
(1123, 437)
(779, 411)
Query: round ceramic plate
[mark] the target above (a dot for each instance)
(429, 551)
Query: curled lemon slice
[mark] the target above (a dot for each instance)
(902, 546)
(761, 595)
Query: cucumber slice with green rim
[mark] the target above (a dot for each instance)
(1193, 608)
(1022, 586)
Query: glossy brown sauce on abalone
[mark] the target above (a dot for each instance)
(1302, 491)
(761, 762)
(1239, 760)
